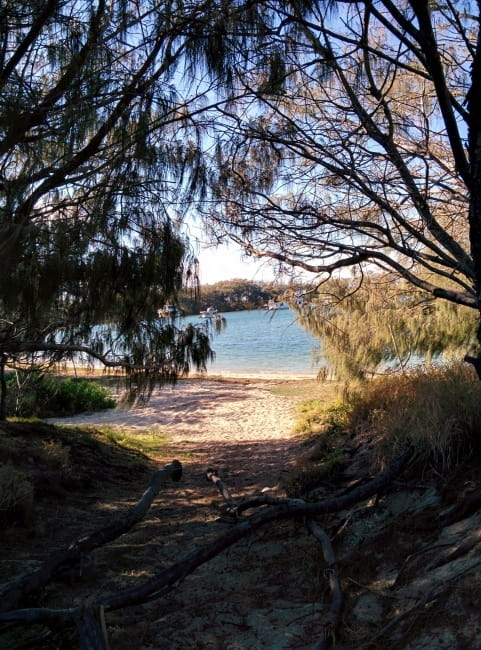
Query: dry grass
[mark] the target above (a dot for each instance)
(321, 391)
(16, 494)
(436, 408)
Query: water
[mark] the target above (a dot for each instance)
(263, 344)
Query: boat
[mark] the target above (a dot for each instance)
(274, 305)
(210, 312)
(168, 311)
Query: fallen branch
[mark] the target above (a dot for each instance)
(282, 508)
(211, 475)
(169, 578)
(72, 556)
(334, 614)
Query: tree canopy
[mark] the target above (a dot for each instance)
(380, 324)
(101, 107)
(322, 135)
(361, 147)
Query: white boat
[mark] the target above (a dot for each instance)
(168, 311)
(208, 313)
(273, 305)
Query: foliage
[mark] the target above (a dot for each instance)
(149, 442)
(100, 129)
(43, 395)
(365, 152)
(233, 295)
(382, 325)
(324, 425)
(435, 408)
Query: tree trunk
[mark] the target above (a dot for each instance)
(474, 149)
(3, 389)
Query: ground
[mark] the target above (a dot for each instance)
(409, 575)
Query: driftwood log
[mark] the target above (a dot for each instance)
(89, 620)
(71, 556)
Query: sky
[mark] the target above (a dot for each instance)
(227, 263)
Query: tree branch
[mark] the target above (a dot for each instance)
(282, 508)
(31, 583)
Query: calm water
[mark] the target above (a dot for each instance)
(263, 343)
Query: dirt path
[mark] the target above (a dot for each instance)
(254, 595)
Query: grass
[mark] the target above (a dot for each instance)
(38, 394)
(434, 408)
(437, 409)
(150, 442)
(322, 391)
(39, 459)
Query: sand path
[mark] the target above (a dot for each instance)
(253, 595)
(205, 410)
(239, 427)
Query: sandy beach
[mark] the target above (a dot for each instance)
(237, 425)
(201, 410)
(242, 428)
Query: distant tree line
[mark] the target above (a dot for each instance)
(233, 295)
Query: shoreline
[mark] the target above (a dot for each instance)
(230, 377)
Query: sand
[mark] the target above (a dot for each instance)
(203, 410)
(252, 595)
(238, 426)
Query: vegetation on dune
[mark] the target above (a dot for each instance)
(37, 394)
(40, 460)
(434, 408)
(434, 411)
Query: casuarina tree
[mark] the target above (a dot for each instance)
(99, 161)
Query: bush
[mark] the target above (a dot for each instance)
(436, 408)
(16, 495)
(42, 395)
(78, 395)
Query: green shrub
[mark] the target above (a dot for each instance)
(37, 394)
(78, 395)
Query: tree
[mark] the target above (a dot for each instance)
(361, 148)
(99, 159)
(380, 324)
